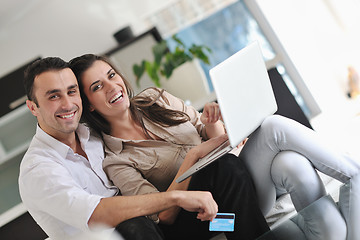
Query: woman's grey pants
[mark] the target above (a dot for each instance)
(281, 156)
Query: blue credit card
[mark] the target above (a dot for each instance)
(223, 222)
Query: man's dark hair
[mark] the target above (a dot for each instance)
(38, 67)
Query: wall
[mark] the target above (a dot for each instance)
(308, 31)
(52, 28)
(66, 28)
(322, 39)
(314, 36)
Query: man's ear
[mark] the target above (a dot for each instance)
(32, 106)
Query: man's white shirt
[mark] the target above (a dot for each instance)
(60, 188)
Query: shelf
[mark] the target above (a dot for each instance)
(12, 214)
(20, 149)
(8, 118)
(9, 189)
(16, 131)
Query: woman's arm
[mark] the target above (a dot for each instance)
(206, 123)
(211, 117)
(168, 216)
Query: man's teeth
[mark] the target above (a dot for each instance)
(67, 116)
(116, 97)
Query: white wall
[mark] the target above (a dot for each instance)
(322, 38)
(316, 40)
(66, 28)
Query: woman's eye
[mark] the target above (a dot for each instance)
(111, 75)
(96, 87)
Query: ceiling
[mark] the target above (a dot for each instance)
(11, 10)
(10, 5)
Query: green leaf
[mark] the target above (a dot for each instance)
(176, 39)
(159, 50)
(198, 52)
(139, 71)
(166, 61)
(152, 70)
(167, 69)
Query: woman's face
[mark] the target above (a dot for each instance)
(105, 90)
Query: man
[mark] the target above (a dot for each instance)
(61, 180)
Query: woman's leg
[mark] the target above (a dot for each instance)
(292, 173)
(232, 188)
(320, 220)
(278, 134)
(139, 228)
(349, 200)
(186, 226)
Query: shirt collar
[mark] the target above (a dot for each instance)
(82, 132)
(114, 144)
(169, 134)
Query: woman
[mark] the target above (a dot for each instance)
(281, 155)
(159, 141)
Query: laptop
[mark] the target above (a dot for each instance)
(245, 97)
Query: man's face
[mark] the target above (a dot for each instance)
(59, 104)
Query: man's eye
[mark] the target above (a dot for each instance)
(53, 97)
(72, 92)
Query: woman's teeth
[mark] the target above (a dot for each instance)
(116, 97)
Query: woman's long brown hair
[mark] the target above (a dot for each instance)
(140, 106)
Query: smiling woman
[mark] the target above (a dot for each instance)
(106, 90)
(161, 136)
(107, 84)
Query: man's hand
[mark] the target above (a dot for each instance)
(201, 202)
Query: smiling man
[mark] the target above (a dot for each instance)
(60, 111)
(61, 180)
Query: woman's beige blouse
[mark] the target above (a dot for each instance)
(147, 166)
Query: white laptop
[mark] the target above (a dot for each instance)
(245, 98)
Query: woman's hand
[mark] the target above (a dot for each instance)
(169, 215)
(242, 143)
(204, 148)
(211, 113)
(210, 118)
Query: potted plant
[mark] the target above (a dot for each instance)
(165, 61)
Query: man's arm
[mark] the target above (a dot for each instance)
(114, 210)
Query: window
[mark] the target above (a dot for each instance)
(226, 29)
